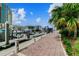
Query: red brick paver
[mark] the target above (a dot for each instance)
(49, 45)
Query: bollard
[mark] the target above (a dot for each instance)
(24, 36)
(16, 46)
(34, 40)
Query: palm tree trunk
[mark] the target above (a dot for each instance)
(75, 33)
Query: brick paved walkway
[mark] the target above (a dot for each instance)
(49, 45)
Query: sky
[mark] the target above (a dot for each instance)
(25, 14)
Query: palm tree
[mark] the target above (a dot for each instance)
(56, 14)
(71, 11)
(72, 27)
(61, 23)
(70, 14)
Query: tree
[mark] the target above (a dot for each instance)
(66, 16)
(71, 11)
(56, 14)
(72, 27)
(61, 23)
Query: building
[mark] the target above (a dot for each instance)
(5, 15)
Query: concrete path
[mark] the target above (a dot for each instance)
(50, 45)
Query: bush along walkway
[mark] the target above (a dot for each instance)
(49, 45)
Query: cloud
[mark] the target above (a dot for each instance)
(18, 16)
(52, 6)
(18, 22)
(21, 13)
(38, 19)
(31, 13)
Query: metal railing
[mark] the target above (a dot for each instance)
(17, 41)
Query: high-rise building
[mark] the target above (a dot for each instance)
(5, 15)
(0, 12)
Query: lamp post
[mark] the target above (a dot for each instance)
(6, 33)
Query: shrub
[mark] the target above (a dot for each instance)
(64, 32)
(68, 46)
(67, 42)
(69, 50)
(72, 34)
(78, 32)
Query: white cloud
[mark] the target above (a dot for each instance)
(21, 13)
(18, 22)
(52, 6)
(31, 13)
(18, 15)
(38, 19)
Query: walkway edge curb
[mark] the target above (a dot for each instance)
(63, 49)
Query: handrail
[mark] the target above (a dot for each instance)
(17, 43)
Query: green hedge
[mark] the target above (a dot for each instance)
(68, 46)
(64, 32)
